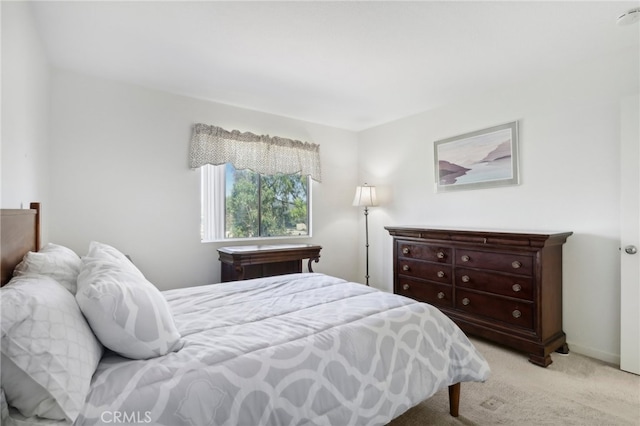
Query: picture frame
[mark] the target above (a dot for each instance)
(485, 158)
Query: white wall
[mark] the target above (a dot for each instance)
(119, 175)
(25, 111)
(569, 167)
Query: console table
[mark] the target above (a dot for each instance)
(246, 262)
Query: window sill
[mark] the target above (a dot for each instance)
(259, 239)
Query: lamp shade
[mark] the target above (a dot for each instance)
(365, 196)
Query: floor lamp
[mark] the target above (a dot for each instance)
(366, 197)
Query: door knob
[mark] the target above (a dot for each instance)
(631, 249)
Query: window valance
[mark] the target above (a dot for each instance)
(263, 154)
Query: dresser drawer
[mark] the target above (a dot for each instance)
(426, 270)
(492, 282)
(432, 253)
(435, 294)
(503, 262)
(514, 312)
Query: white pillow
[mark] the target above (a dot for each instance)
(128, 314)
(49, 353)
(57, 262)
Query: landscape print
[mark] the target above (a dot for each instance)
(479, 159)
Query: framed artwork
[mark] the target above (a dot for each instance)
(482, 159)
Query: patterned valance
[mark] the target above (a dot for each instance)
(263, 154)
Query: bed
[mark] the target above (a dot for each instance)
(285, 350)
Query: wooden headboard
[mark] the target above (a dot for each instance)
(20, 233)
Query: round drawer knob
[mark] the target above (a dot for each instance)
(465, 258)
(405, 287)
(516, 287)
(515, 264)
(405, 250)
(465, 278)
(405, 267)
(516, 314)
(440, 274)
(440, 255)
(440, 295)
(466, 301)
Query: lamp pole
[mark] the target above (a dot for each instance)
(366, 236)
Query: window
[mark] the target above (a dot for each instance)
(242, 204)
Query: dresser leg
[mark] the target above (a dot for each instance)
(564, 349)
(542, 361)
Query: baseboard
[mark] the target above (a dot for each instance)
(594, 353)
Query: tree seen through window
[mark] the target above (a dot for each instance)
(265, 206)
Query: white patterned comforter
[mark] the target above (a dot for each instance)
(287, 350)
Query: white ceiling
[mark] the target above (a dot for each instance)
(346, 64)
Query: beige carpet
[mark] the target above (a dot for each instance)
(574, 390)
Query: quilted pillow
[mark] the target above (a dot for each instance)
(57, 262)
(128, 314)
(49, 353)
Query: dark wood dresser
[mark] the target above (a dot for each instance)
(246, 262)
(502, 286)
